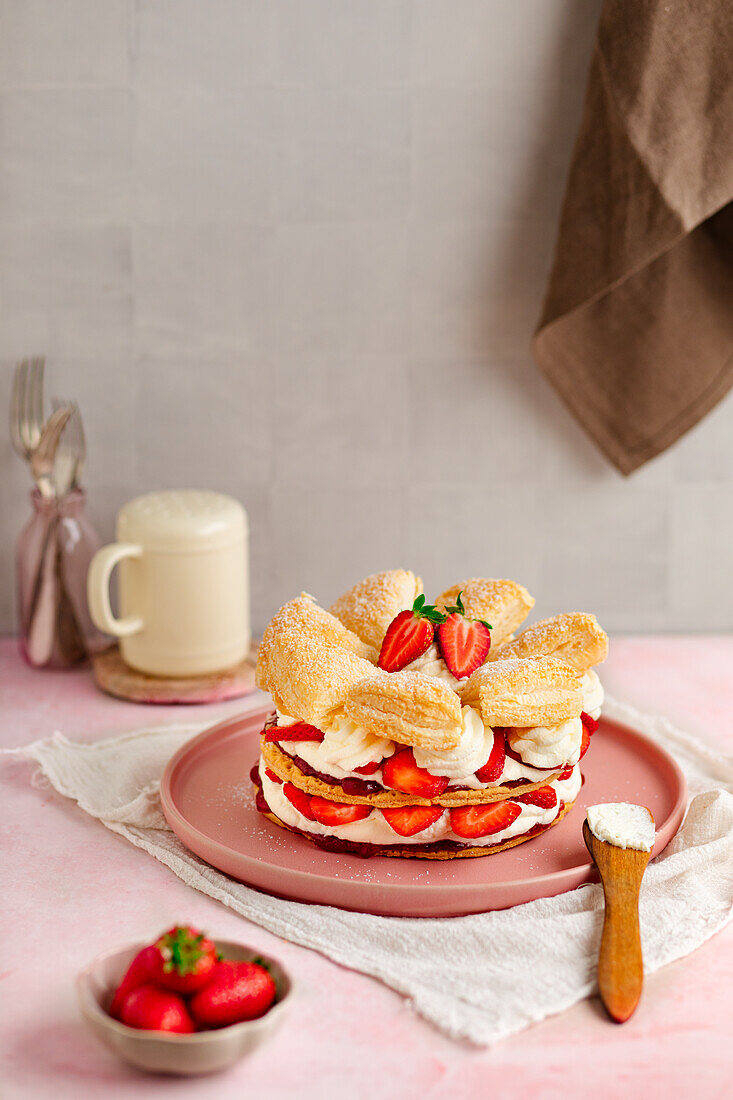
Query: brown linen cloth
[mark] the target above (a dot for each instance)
(637, 327)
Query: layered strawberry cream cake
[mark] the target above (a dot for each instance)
(432, 731)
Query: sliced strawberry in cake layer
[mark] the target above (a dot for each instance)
(336, 813)
(584, 742)
(369, 769)
(298, 731)
(477, 821)
(299, 799)
(272, 776)
(566, 772)
(590, 723)
(401, 773)
(545, 797)
(410, 820)
(494, 766)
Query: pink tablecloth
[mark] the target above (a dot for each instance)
(69, 888)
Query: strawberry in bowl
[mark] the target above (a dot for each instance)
(183, 1004)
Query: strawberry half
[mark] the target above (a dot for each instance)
(591, 724)
(401, 773)
(336, 813)
(545, 797)
(584, 742)
(272, 776)
(475, 821)
(299, 731)
(299, 799)
(409, 820)
(464, 643)
(494, 766)
(409, 635)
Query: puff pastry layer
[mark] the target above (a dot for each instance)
(541, 691)
(305, 677)
(305, 615)
(370, 606)
(575, 638)
(409, 707)
(505, 604)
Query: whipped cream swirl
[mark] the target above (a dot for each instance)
(432, 664)
(345, 747)
(592, 694)
(548, 746)
(470, 754)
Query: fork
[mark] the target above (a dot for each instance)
(71, 451)
(43, 455)
(26, 406)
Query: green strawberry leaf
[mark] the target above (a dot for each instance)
(427, 611)
(180, 951)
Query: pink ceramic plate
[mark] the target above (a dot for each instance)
(208, 800)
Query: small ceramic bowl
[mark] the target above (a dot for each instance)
(159, 1052)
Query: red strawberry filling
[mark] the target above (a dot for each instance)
(494, 766)
(300, 800)
(410, 820)
(369, 769)
(478, 821)
(298, 731)
(590, 723)
(545, 797)
(401, 773)
(336, 813)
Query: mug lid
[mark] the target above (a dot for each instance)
(177, 519)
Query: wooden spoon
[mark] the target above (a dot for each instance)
(620, 965)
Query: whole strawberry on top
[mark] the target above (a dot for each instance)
(464, 643)
(409, 635)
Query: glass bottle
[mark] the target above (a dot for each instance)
(52, 558)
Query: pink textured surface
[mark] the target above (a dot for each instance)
(70, 889)
(231, 834)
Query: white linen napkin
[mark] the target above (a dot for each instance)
(461, 973)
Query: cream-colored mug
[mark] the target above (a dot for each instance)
(183, 585)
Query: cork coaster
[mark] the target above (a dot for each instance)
(114, 677)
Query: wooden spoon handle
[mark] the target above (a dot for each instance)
(620, 965)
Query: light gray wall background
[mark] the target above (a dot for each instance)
(295, 250)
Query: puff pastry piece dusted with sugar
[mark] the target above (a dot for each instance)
(307, 679)
(575, 638)
(409, 707)
(540, 691)
(504, 604)
(319, 626)
(370, 606)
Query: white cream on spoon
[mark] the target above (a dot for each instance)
(622, 824)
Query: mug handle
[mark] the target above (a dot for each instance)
(100, 571)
